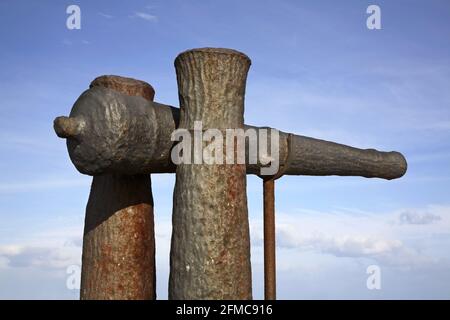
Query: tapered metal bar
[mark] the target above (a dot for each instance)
(118, 260)
(269, 240)
(315, 157)
(210, 251)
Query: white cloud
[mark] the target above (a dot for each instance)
(145, 16)
(311, 245)
(17, 256)
(379, 237)
(51, 251)
(52, 246)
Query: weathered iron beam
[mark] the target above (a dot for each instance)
(118, 260)
(98, 143)
(210, 250)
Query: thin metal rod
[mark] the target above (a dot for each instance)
(269, 240)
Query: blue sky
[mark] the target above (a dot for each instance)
(316, 70)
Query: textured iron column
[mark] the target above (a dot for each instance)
(118, 246)
(210, 253)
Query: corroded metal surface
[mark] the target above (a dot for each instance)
(117, 133)
(109, 132)
(128, 86)
(269, 240)
(210, 251)
(118, 246)
(309, 156)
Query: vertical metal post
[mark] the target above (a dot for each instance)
(210, 253)
(118, 245)
(269, 240)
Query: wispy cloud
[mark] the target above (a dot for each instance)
(15, 187)
(40, 257)
(145, 16)
(433, 156)
(317, 242)
(36, 143)
(54, 247)
(381, 237)
(105, 15)
(67, 42)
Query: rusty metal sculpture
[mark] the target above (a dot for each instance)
(116, 133)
